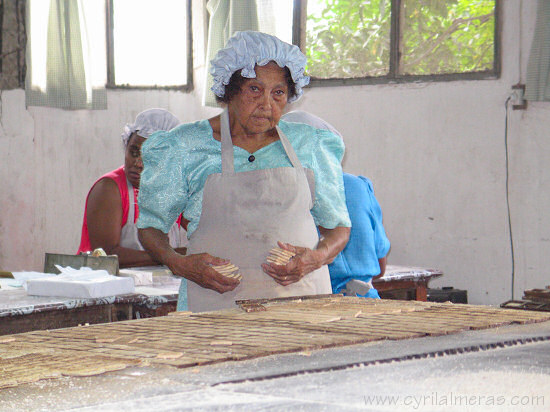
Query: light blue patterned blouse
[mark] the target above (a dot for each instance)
(177, 163)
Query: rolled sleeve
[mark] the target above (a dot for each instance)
(329, 209)
(162, 192)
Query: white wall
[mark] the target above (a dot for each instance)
(435, 152)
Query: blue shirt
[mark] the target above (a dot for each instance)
(367, 242)
(178, 162)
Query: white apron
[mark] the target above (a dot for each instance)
(243, 216)
(129, 232)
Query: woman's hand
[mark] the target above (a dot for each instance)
(198, 268)
(307, 260)
(303, 262)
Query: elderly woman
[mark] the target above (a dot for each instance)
(111, 210)
(247, 183)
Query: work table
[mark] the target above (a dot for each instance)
(328, 353)
(20, 312)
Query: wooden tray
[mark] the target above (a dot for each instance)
(187, 339)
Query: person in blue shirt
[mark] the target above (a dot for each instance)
(365, 255)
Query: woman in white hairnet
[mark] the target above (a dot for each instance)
(247, 183)
(111, 209)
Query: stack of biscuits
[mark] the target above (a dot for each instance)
(228, 270)
(280, 256)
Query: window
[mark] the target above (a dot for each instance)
(354, 42)
(149, 43)
(66, 54)
(77, 48)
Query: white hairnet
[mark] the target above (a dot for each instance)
(299, 116)
(148, 122)
(246, 49)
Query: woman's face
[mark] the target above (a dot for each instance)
(261, 101)
(133, 164)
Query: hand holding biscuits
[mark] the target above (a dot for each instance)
(288, 264)
(201, 269)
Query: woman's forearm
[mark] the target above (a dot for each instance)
(383, 262)
(131, 257)
(157, 245)
(332, 242)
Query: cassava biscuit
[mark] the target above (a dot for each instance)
(280, 256)
(228, 270)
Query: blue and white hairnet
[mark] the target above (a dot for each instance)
(246, 49)
(148, 122)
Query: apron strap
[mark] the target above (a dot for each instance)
(128, 233)
(289, 149)
(228, 166)
(131, 205)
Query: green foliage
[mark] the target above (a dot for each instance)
(351, 38)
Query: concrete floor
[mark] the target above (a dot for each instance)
(500, 369)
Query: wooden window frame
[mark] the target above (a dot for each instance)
(393, 76)
(111, 83)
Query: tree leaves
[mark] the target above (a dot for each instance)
(351, 38)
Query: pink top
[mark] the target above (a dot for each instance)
(119, 176)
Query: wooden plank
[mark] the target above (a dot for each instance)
(66, 318)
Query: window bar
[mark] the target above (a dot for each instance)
(189, 83)
(396, 37)
(110, 44)
(497, 39)
(299, 17)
